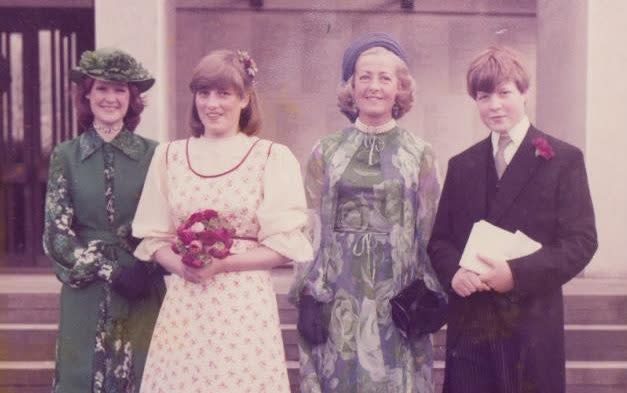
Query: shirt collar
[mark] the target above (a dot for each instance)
(126, 142)
(517, 133)
(375, 129)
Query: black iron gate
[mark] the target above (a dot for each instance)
(37, 48)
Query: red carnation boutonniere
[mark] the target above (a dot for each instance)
(543, 148)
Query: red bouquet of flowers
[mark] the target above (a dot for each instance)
(202, 237)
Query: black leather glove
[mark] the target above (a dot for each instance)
(312, 325)
(132, 282)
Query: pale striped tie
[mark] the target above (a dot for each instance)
(499, 158)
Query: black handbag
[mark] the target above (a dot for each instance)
(417, 310)
(132, 282)
(311, 323)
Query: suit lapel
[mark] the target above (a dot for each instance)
(476, 181)
(516, 176)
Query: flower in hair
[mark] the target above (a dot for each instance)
(249, 64)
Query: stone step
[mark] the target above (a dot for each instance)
(44, 308)
(582, 342)
(579, 309)
(581, 377)
(595, 313)
(35, 342)
(596, 309)
(26, 377)
(34, 299)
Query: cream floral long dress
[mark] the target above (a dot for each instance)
(223, 336)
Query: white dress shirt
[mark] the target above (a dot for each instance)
(517, 133)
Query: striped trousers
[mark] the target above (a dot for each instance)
(491, 365)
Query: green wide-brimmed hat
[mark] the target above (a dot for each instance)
(114, 65)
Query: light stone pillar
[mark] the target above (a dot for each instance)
(145, 29)
(582, 96)
(606, 136)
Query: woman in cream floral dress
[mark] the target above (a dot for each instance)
(218, 330)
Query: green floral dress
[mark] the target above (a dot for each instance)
(374, 197)
(93, 190)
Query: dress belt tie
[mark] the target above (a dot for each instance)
(374, 144)
(365, 245)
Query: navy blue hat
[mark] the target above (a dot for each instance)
(362, 44)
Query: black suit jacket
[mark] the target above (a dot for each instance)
(547, 199)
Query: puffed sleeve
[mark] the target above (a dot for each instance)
(282, 214)
(153, 223)
(75, 263)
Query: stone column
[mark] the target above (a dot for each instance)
(145, 29)
(582, 95)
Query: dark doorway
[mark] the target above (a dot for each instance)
(37, 48)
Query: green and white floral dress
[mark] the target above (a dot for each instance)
(92, 195)
(374, 196)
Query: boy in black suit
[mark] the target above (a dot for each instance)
(505, 333)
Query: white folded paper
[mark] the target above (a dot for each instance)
(495, 243)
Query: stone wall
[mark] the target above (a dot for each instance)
(299, 52)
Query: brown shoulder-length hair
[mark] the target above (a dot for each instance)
(222, 69)
(404, 97)
(85, 117)
(494, 66)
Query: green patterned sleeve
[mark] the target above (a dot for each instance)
(429, 188)
(314, 182)
(314, 178)
(75, 264)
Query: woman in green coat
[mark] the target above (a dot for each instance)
(109, 299)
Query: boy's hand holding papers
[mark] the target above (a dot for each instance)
(466, 282)
(487, 251)
(499, 277)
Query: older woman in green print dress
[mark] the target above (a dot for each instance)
(109, 300)
(373, 189)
